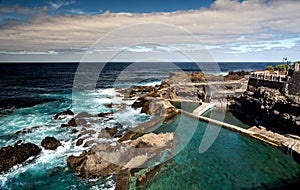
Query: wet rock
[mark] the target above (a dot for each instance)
(86, 132)
(139, 102)
(79, 142)
(81, 122)
(144, 179)
(63, 114)
(111, 131)
(27, 130)
(104, 114)
(50, 143)
(71, 123)
(18, 142)
(84, 115)
(123, 179)
(146, 107)
(88, 143)
(108, 132)
(109, 105)
(13, 155)
(128, 136)
(74, 161)
(74, 131)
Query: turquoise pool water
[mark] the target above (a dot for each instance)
(228, 117)
(233, 161)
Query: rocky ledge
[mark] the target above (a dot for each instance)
(270, 108)
(17, 154)
(120, 158)
(196, 86)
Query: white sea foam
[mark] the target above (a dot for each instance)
(42, 116)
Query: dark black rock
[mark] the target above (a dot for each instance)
(64, 113)
(104, 114)
(79, 142)
(71, 123)
(139, 102)
(50, 143)
(13, 155)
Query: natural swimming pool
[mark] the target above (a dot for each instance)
(234, 161)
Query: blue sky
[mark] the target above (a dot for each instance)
(73, 30)
(138, 6)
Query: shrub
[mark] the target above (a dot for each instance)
(282, 67)
(270, 68)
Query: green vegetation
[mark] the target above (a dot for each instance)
(270, 68)
(282, 67)
(297, 62)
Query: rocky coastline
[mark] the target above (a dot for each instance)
(269, 108)
(131, 150)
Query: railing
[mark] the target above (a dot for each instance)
(269, 77)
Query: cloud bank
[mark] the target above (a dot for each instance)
(229, 28)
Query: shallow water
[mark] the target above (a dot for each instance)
(234, 161)
(228, 117)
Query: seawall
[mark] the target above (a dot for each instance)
(294, 84)
(281, 86)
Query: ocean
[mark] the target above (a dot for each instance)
(32, 93)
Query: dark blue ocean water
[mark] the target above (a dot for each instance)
(32, 93)
(22, 85)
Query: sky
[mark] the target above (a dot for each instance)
(136, 30)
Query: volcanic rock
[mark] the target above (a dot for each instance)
(50, 143)
(106, 159)
(71, 123)
(62, 114)
(13, 155)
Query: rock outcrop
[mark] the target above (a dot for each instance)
(50, 143)
(63, 114)
(198, 86)
(268, 107)
(71, 123)
(106, 159)
(13, 155)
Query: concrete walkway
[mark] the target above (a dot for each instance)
(203, 108)
(288, 143)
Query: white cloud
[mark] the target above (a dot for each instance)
(61, 3)
(228, 26)
(51, 52)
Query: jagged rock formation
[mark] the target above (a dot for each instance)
(63, 114)
(270, 108)
(198, 86)
(13, 155)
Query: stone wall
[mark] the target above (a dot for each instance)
(281, 86)
(294, 84)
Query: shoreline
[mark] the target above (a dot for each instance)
(156, 101)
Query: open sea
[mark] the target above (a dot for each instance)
(32, 93)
